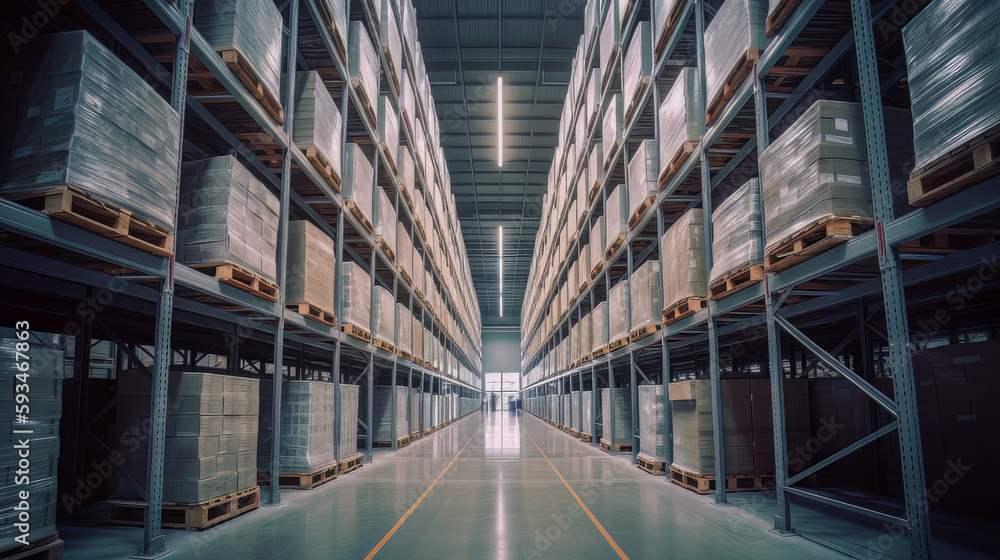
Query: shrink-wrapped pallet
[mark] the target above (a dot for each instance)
(310, 266)
(682, 252)
(647, 305)
(385, 221)
(250, 27)
(392, 48)
(693, 443)
(357, 295)
(816, 170)
(414, 411)
(643, 169)
(953, 76)
(388, 129)
(665, 14)
(592, 99)
(596, 165)
(382, 413)
(616, 217)
(408, 102)
(736, 30)
(586, 334)
(567, 409)
(84, 119)
(616, 408)
(404, 250)
(613, 128)
(680, 121)
(600, 325)
(229, 217)
(363, 66)
(586, 416)
(736, 232)
(358, 181)
(610, 42)
(384, 313)
(317, 123)
(435, 410)
(348, 444)
(45, 391)
(584, 265)
(618, 308)
(427, 412)
(418, 336)
(404, 334)
(408, 177)
(337, 10)
(638, 66)
(307, 426)
(652, 423)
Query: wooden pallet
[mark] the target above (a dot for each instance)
(49, 548)
(238, 64)
(586, 437)
(643, 332)
(405, 191)
(963, 167)
(668, 171)
(596, 270)
(309, 480)
(780, 16)
(80, 208)
(610, 153)
(350, 464)
(950, 240)
(618, 343)
(615, 245)
(618, 447)
(652, 467)
(633, 104)
(705, 484)
(356, 332)
(404, 355)
(736, 280)
(732, 83)
(390, 157)
(389, 253)
(603, 351)
(604, 77)
(682, 309)
(392, 69)
(640, 212)
(319, 161)
(235, 275)
(813, 239)
(400, 443)
(700, 484)
(313, 312)
(574, 432)
(406, 275)
(668, 29)
(189, 516)
(383, 345)
(365, 222)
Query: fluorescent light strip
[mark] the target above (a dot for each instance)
(499, 121)
(500, 244)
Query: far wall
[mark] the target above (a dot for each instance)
(501, 351)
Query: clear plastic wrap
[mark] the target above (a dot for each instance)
(610, 39)
(307, 419)
(85, 119)
(617, 403)
(682, 252)
(404, 335)
(596, 164)
(47, 365)
(736, 232)
(357, 180)
(385, 220)
(586, 335)
(600, 324)
(382, 412)
(952, 74)
(338, 11)
(427, 412)
(618, 306)
(567, 409)
(404, 249)
(616, 216)
(679, 118)
(363, 64)
(414, 410)
(385, 324)
(643, 170)
(435, 410)
(388, 128)
(613, 127)
(317, 120)
(586, 418)
(408, 177)
(584, 266)
(311, 266)
(417, 346)
(737, 27)
(693, 442)
(349, 395)
(647, 305)
(392, 46)
(816, 170)
(664, 8)
(357, 296)
(229, 216)
(652, 423)
(251, 27)
(408, 102)
(638, 64)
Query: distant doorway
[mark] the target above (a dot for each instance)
(501, 390)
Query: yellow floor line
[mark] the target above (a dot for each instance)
(399, 523)
(611, 541)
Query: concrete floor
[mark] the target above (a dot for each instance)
(500, 498)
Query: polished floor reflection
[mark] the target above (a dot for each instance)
(519, 489)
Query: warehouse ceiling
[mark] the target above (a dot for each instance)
(532, 44)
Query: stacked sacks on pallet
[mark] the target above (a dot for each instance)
(91, 124)
(252, 28)
(44, 380)
(737, 233)
(652, 424)
(733, 38)
(682, 252)
(311, 267)
(307, 419)
(317, 124)
(357, 296)
(680, 123)
(227, 216)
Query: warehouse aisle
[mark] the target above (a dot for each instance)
(499, 498)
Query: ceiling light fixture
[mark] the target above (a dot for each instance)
(499, 121)
(500, 244)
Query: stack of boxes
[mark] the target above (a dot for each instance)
(646, 302)
(357, 181)
(617, 404)
(652, 424)
(737, 232)
(357, 294)
(307, 424)
(311, 266)
(680, 122)
(682, 251)
(317, 123)
(363, 65)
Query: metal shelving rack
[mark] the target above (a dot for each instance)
(168, 290)
(770, 312)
